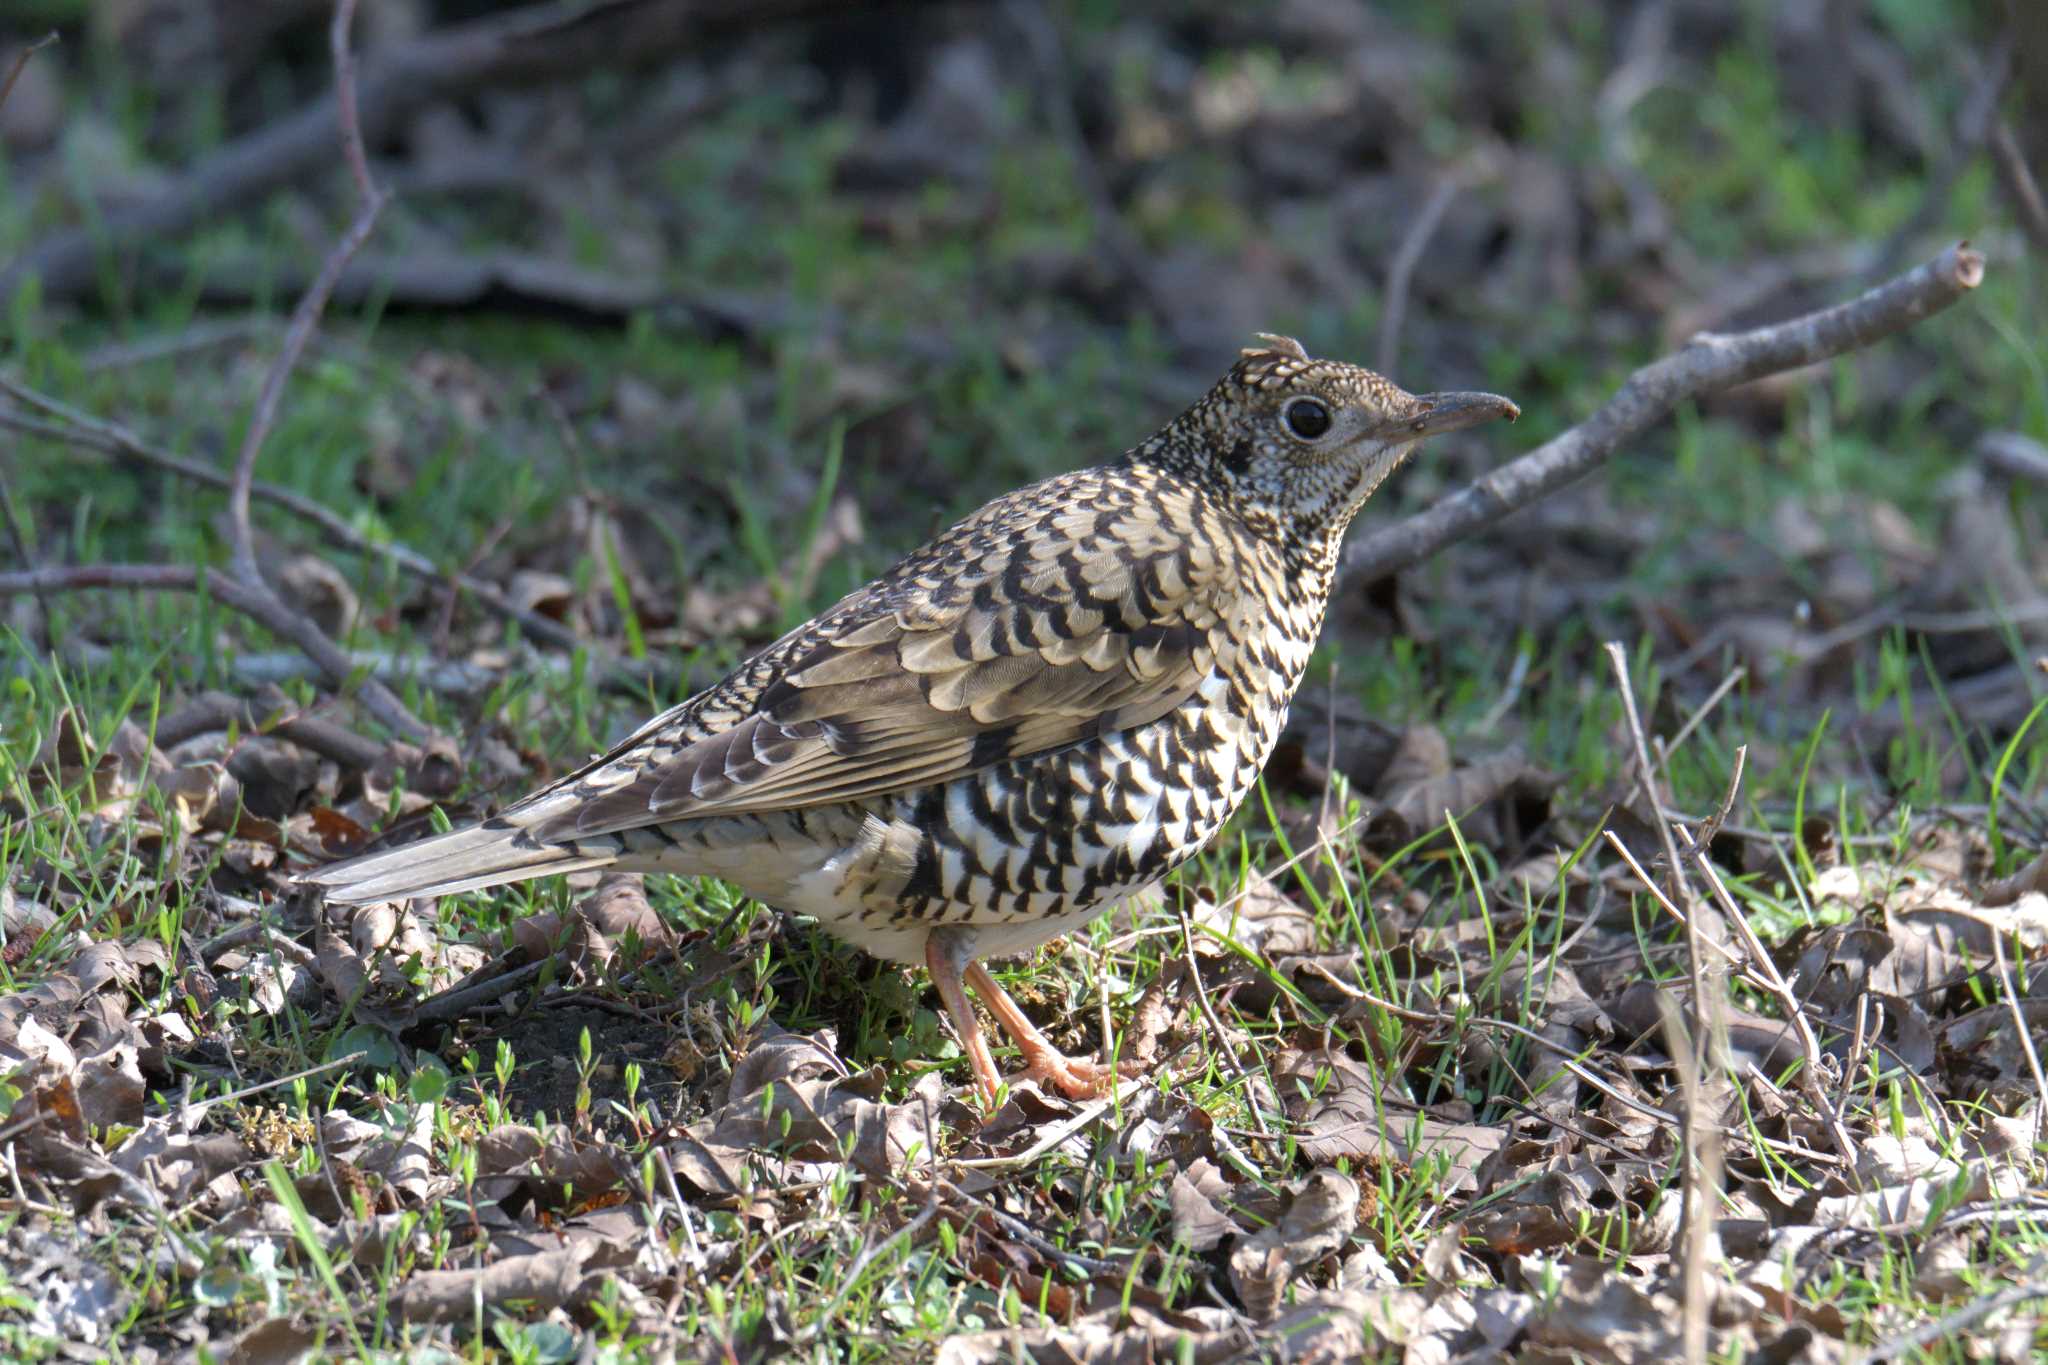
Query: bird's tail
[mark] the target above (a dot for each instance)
(489, 854)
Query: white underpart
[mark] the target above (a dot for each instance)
(1142, 828)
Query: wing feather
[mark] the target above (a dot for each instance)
(978, 651)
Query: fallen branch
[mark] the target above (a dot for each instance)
(214, 712)
(536, 43)
(1710, 362)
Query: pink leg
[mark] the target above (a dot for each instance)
(944, 958)
(1075, 1077)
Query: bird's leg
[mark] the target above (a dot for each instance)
(946, 951)
(1076, 1077)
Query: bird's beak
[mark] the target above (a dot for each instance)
(1436, 413)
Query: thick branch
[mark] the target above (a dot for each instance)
(1710, 362)
(536, 43)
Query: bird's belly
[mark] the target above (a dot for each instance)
(1037, 845)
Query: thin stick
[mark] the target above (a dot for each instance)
(465, 995)
(2020, 185)
(1968, 1315)
(21, 62)
(1756, 967)
(1401, 269)
(2019, 1018)
(83, 430)
(1696, 1207)
(245, 589)
(1237, 1067)
(1708, 363)
(258, 603)
(306, 316)
(1674, 870)
(1706, 708)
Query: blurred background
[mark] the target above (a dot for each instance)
(688, 316)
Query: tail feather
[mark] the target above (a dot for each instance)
(463, 860)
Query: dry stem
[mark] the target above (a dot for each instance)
(1694, 1056)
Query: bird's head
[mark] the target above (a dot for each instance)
(1305, 442)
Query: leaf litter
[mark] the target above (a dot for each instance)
(1558, 1148)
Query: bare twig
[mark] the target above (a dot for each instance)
(82, 429)
(258, 603)
(306, 316)
(292, 625)
(1700, 1180)
(21, 61)
(1756, 966)
(190, 339)
(473, 990)
(2007, 987)
(245, 589)
(1708, 363)
(2020, 186)
(1969, 1315)
(1674, 870)
(148, 577)
(1401, 269)
(1237, 1067)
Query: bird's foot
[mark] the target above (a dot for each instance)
(1077, 1078)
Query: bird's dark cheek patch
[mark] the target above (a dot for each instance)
(1239, 460)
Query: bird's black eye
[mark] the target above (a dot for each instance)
(1306, 418)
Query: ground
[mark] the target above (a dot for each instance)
(662, 356)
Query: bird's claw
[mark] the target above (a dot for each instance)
(1077, 1078)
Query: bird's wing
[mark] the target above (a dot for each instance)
(1023, 631)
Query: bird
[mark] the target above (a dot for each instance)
(1026, 722)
